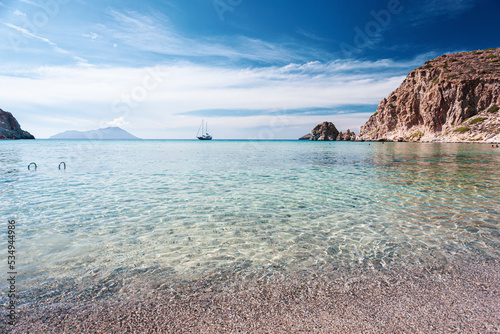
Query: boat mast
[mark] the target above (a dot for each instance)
(201, 128)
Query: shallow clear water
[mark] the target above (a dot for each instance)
(158, 209)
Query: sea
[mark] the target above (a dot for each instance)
(123, 214)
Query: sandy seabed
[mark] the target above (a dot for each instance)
(429, 299)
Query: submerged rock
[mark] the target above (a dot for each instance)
(10, 128)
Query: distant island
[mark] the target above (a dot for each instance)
(110, 133)
(10, 128)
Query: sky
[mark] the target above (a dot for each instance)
(253, 69)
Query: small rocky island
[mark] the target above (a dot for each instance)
(10, 128)
(327, 131)
(453, 98)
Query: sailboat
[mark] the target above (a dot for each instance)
(204, 132)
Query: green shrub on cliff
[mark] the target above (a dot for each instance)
(477, 120)
(494, 108)
(462, 129)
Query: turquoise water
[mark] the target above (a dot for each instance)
(157, 210)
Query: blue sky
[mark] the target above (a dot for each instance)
(253, 69)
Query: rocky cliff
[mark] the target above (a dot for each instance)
(10, 128)
(327, 131)
(454, 97)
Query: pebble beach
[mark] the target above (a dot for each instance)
(445, 299)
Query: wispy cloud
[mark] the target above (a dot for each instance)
(28, 33)
(119, 121)
(91, 35)
(310, 111)
(233, 98)
(31, 3)
(56, 48)
(19, 13)
(447, 7)
(155, 33)
(429, 10)
(312, 36)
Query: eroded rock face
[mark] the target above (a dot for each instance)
(325, 131)
(347, 136)
(451, 98)
(10, 128)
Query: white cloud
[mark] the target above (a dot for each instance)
(311, 35)
(31, 3)
(19, 13)
(119, 121)
(155, 102)
(429, 10)
(156, 34)
(29, 34)
(91, 35)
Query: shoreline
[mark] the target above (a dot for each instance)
(265, 140)
(429, 142)
(445, 298)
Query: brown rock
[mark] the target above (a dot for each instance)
(347, 136)
(306, 137)
(10, 128)
(454, 97)
(325, 131)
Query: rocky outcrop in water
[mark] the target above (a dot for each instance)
(327, 131)
(306, 137)
(347, 136)
(10, 128)
(451, 98)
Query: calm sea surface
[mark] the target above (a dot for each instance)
(155, 210)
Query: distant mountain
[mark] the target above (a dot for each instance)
(111, 133)
(10, 128)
